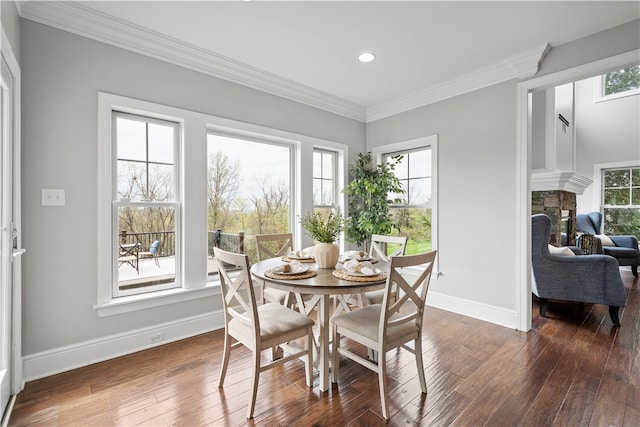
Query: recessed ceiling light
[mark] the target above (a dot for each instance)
(366, 57)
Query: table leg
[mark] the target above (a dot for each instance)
(323, 324)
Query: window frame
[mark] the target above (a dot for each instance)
(381, 151)
(334, 178)
(118, 203)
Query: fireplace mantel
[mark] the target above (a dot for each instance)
(572, 182)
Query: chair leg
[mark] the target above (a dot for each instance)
(382, 380)
(308, 361)
(613, 312)
(335, 356)
(634, 270)
(225, 359)
(418, 353)
(254, 383)
(543, 307)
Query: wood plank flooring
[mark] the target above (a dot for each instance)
(572, 369)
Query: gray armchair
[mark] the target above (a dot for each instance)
(626, 247)
(593, 279)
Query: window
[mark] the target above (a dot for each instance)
(325, 188)
(618, 83)
(249, 192)
(176, 176)
(416, 216)
(621, 201)
(145, 203)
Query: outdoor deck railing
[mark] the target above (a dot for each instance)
(232, 242)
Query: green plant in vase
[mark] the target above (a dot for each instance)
(324, 229)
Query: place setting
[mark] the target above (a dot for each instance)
(292, 270)
(359, 271)
(303, 256)
(359, 256)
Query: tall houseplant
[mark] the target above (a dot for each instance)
(372, 190)
(324, 229)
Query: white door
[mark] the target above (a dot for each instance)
(9, 241)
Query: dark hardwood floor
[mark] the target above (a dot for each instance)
(572, 369)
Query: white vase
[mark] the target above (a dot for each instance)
(326, 254)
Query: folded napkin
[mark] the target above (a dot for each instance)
(292, 267)
(354, 266)
(305, 253)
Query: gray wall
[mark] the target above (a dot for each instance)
(62, 75)
(11, 25)
(606, 132)
(476, 194)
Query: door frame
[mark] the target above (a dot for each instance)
(16, 363)
(523, 179)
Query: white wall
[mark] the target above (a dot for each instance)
(606, 132)
(476, 170)
(62, 75)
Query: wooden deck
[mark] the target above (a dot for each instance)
(572, 369)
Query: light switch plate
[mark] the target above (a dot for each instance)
(52, 197)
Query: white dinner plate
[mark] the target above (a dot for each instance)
(293, 272)
(355, 273)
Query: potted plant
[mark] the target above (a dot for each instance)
(324, 229)
(371, 191)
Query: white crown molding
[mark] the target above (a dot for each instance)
(87, 22)
(519, 66)
(564, 181)
(84, 21)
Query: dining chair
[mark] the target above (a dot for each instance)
(378, 249)
(258, 327)
(391, 324)
(273, 246)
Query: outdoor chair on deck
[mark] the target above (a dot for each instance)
(257, 327)
(389, 325)
(154, 251)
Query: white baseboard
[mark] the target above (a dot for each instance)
(476, 310)
(63, 359)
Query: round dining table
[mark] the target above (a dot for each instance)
(320, 287)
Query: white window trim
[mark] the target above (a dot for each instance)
(430, 141)
(597, 181)
(599, 96)
(193, 213)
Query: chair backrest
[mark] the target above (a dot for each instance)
(273, 245)
(406, 303)
(238, 296)
(590, 223)
(155, 246)
(379, 244)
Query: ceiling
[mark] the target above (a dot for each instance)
(307, 51)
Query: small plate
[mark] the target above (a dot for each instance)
(299, 257)
(279, 270)
(355, 273)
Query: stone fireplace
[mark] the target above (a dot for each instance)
(554, 194)
(560, 207)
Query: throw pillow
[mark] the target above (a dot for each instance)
(606, 241)
(564, 251)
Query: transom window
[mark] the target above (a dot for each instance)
(621, 201)
(618, 83)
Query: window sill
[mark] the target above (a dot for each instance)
(155, 299)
